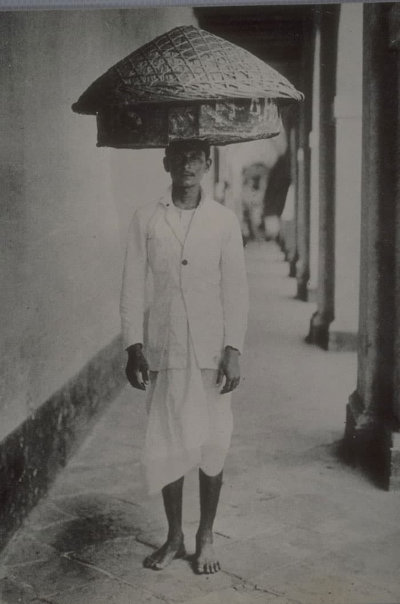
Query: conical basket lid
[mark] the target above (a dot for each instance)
(185, 64)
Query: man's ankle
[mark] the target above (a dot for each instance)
(204, 534)
(175, 536)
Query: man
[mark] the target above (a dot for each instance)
(187, 355)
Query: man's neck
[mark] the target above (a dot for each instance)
(186, 197)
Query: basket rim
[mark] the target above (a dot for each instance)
(280, 101)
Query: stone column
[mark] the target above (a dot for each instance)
(304, 172)
(314, 189)
(371, 437)
(394, 479)
(291, 231)
(395, 46)
(322, 318)
(348, 118)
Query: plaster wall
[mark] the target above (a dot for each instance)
(65, 205)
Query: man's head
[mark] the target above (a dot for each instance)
(187, 161)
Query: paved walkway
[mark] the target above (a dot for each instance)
(294, 525)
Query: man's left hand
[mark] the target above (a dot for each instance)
(229, 367)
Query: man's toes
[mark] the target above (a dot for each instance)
(152, 563)
(207, 568)
(213, 567)
(201, 568)
(148, 562)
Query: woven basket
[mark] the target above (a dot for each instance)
(186, 72)
(156, 125)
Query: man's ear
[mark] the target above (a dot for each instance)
(166, 164)
(208, 164)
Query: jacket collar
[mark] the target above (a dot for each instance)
(166, 199)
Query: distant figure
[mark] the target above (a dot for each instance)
(254, 184)
(275, 196)
(188, 355)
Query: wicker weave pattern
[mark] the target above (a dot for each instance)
(188, 64)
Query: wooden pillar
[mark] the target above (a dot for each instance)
(324, 315)
(304, 171)
(371, 436)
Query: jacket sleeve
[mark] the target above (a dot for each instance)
(235, 297)
(132, 302)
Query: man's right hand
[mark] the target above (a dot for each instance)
(137, 368)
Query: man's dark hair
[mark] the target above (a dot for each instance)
(185, 144)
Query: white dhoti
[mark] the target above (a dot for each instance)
(190, 424)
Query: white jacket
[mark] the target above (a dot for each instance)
(199, 283)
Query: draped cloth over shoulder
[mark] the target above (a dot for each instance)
(186, 83)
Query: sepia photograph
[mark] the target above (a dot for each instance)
(200, 303)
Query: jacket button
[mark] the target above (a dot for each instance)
(184, 262)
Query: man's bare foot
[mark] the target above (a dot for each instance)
(206, 561)
(172, 548)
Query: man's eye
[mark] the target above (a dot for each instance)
(195, 158)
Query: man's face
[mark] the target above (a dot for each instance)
(187, 165)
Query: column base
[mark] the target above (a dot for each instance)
(394, 476)
(303, 280)
(321, 334)
(371, 444)
(319, 331)
(302, 290)
(292, 267)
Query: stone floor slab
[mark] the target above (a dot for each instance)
(106, 592)
(46, 514)
(56, 574)
(24, 548)
(87, 479)
(319, 584)
(294, 526)
(11, 593)
(247, 558)
(347, 564)
(123, 558)
(239, 595)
